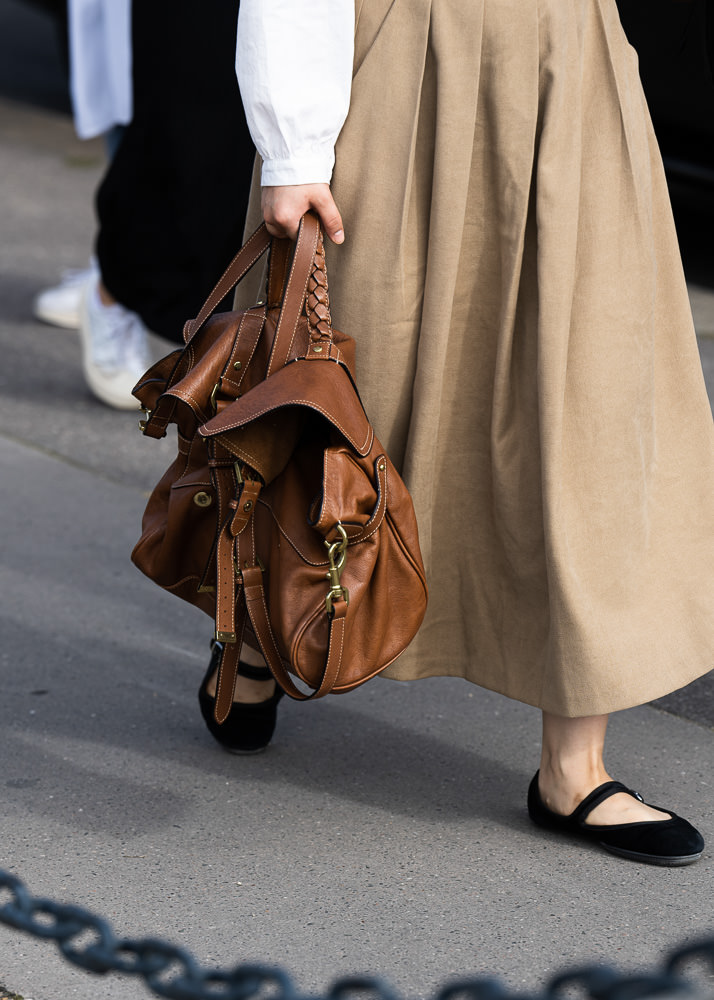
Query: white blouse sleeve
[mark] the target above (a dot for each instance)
(100, 64)
(294, 68)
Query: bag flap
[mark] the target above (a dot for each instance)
(318, 384)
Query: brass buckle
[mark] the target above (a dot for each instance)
(246, 565)
(337, 554)
(214, 393)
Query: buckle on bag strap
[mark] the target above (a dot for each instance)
(337, 555)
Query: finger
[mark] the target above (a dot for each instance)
(282, 208)
(281, 232)
(330, 216)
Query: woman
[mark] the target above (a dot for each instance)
(526, 352)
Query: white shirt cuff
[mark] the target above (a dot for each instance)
(312, 169)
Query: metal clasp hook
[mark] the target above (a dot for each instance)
(337, 554)
(147, 417)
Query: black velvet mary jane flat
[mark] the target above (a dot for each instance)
(249, 726)
(670, 842)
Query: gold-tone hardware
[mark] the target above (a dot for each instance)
(225, 636)
(248, 505)
(339, 548)
(206, 589)
(260, 302)
(239, 474)
(237, 365)
(337, 555)
(143, 422)
(381, 466)
(214, 393)
(203, 499)
(317, 348)
(246, 565)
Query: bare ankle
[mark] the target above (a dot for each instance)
(571, 759)
(565, 783)
(105, 296)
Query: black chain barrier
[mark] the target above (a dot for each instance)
(88, 942)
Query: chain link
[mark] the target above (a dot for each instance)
(88, 942)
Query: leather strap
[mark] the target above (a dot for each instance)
(251, 251)
(224, 481)
(236, 505)
(162, 414)
(228, 670)
(256, 606)
(280, 254)
(295, 290)
(293, 299)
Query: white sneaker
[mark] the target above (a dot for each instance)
(115, 349)
(60, 305)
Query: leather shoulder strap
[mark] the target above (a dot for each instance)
(293, 292)
(251, 251)
(256, 607)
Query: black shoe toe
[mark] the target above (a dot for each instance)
(670, 842)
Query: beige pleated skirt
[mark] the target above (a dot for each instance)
(526, 350)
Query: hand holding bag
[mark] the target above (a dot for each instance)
(282, 515)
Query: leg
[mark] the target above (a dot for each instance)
(572, 766)
(250, 723)
(105, 296)
(247, 690)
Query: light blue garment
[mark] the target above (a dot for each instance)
(100, 64)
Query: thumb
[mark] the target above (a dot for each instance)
(330, 216)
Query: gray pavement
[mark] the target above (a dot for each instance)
(382, 832)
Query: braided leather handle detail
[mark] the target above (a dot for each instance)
(296, 286)
(306, 276)
(317, 302)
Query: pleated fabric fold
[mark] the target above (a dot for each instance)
(526, 350)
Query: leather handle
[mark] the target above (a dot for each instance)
(230, 657)
(280, 256)
(256, 607)
(251, 251)
(292, 288)
(295, 290)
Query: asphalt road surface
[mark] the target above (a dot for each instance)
(383, 832)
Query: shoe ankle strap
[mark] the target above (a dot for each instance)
(254, 673)
(599, 795)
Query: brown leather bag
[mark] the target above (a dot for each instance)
(282, 515)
